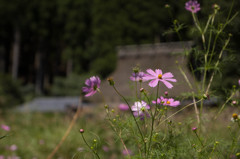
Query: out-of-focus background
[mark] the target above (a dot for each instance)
(49, 47)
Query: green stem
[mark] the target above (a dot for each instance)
(153, 119)
(145, 148)
(199, 139)
(223, 106)
(90, 146)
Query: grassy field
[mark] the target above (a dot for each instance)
(37, 134)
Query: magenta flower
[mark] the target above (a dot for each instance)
(140, 109)
(239, 82)
(192, 6)
(123, 107)
(167, 102)
(157, 76)
(137, 76)
(127, 152)
(93, 83)
(5, 127)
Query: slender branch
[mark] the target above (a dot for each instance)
(67, 131)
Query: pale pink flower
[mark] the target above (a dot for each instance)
(92, 84)
(123, 107)
(105, 148)
(5, 127)
(1, 157)
(239, 82)
(157, 76)
(80, 149)
(140, 109)
(13, 147)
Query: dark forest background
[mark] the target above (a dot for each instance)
(50, 47)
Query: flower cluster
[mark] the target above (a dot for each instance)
(140, 108)
(166, 102)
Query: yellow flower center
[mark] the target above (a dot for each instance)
(235, 116)
(159, 76)
(168, 102)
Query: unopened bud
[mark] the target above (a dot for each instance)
(166, 93)
(110, 80)
(216, 6)
(135, 69)
(234, 102)
(81, 130)
(204, 96)
(141, 89)
(167, 6)
(194, 129)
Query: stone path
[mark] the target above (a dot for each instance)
(50, 104)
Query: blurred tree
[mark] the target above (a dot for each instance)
(63, 37)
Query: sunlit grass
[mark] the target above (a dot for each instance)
(37, 134)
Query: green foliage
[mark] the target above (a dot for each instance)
(10, 94)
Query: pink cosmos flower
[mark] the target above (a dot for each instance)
(123, 107)
(126, 152)
(140, 109)
(239, 82)
(1, 157)
(93, 83)
(137, 76)
(192, 6)
(157, 76)
(5, 127)
(167, 102)
(13, 147)
(105, 148)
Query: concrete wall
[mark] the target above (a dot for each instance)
(154, 56)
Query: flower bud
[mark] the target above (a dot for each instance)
(111, 82)
(81, 130)
(141, 89)
(194, 129)
(167, 6)
(234, 102)
(166, 93)
(216, 7)
(205, 96)
(135, 69)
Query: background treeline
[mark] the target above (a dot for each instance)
(49, 47)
